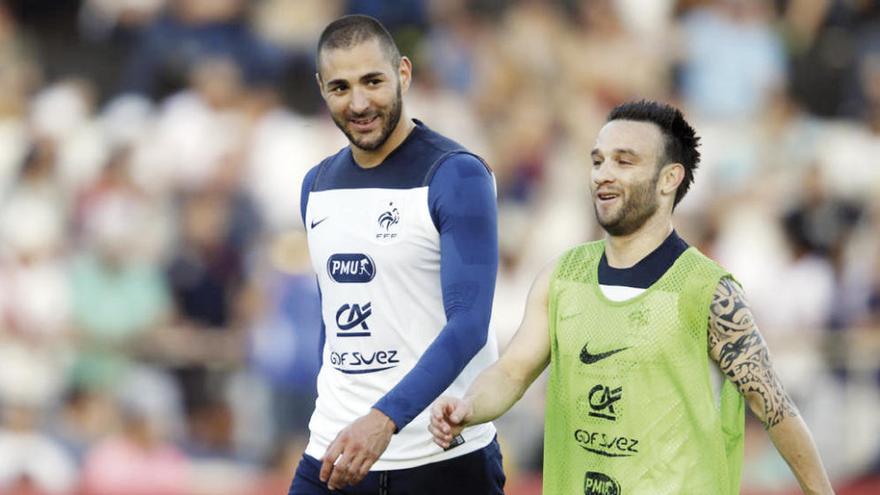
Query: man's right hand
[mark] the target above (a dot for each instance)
(449, 415)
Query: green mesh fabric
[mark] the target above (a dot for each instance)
(630, 405)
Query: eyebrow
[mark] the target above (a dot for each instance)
(368, 75)
(334, 82)
(371, 75)
(627, 151)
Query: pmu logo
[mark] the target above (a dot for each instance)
(602, 399)
(387, 220)
(351, 316)
(351, 268)
(606, 445)
(600, 484)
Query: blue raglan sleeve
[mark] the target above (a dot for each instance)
(307, 183)
(461, 196)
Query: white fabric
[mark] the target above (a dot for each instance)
(406, 316)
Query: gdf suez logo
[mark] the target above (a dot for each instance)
(351, 268)
(600, 484)
(602, 399)
(350, 316)
(361, 362)
(606, 444)
(388, 220)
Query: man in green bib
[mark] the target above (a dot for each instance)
(631, 327)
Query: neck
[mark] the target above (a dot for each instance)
(369, 159)
(627, 250)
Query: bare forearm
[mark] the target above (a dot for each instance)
(794, 442)
(493, 393)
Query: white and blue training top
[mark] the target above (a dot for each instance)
(406, 255)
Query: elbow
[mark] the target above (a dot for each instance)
(756, 404)
(473, 338)
(481, 336)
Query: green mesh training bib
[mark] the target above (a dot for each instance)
(630, 405)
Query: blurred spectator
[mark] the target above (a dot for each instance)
(139, 460)
(295, 26)
(34, 298)
(101, 19)
(208, 267)
(31, 463)
(85, 417)
(277, 477)
(63, 114)
(283, 146)
(828, 42)
(206, 276)
(119, 299)
(397, 15)
(285, 336)
(192, 31)
(183, 152)
(450, 49)
(733, 59)
(601, 41)
(18, 79)
(114, 195)
(821, 224)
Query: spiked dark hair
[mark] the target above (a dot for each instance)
(680, 139)
(351, 30)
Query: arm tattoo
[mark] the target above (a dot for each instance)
(741, 353)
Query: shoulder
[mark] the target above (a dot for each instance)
(702, 271)
(436, 140)
(580, 254)
(320, 174)
(309, 178)
(458, 165)
(449, 156)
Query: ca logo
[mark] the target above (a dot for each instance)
(352, 315)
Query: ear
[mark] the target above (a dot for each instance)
(320, 83)
(671, 177)
(405, 74)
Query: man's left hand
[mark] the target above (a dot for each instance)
(350, 456)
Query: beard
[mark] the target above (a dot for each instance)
(637, 208)
(389, 118)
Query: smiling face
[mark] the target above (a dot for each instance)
(625, 175)
(363, 91)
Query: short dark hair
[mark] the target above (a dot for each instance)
(351, 30)
(680, 139)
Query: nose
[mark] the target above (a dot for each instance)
(601, 174)
(359, 101)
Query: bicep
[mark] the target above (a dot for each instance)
(738, 348)
(529, 351)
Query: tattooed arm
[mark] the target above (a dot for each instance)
(736, 345)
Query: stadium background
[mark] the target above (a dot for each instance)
(157, 316)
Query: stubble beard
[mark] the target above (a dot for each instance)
(636, 210)
(389, 119)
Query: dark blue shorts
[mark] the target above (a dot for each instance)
(477, 473)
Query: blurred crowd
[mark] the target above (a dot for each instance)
(158, 314)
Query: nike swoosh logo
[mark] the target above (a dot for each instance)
(588, 358)
(315, 224)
